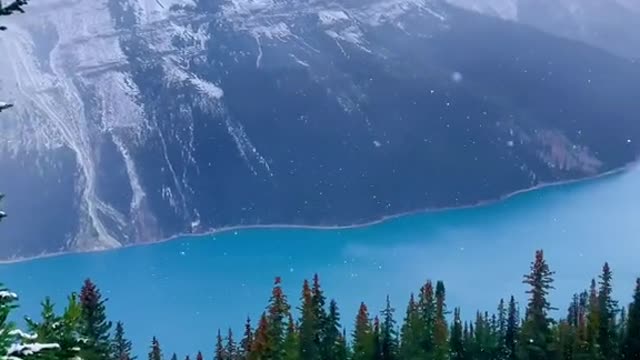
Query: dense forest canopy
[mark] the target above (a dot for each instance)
(594, 327)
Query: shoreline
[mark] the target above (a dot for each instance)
(221, 230)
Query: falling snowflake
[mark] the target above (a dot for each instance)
(456, 77)
(377, 143)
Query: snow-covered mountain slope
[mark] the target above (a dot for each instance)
(137, 120)
(609, 24)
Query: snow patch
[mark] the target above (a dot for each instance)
(329, 17)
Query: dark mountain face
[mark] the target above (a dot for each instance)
(608, 24)
(150, 119)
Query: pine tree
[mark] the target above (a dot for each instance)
(502, 328)
(278, 312)
(120, 346)
(231, 348)
(318, 302)
(260, 348)
(60, 330)
(631, 343)
(333, 342)
(291, 344)
(174, 356)
(199, 356)
(593, 323)
(377, 341)
(457, 337)
(388, 334)
(427, 308)
(95, 327)
(156, 352)
(220, 353)
(440, 333)
(607, 333)
(536, 331)
(308, 346)
(412, 333)
(363, 345)
(246, 344)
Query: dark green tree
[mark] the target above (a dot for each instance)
(174, 356)
(261, 347)
(333, 346)
(94, 324)
(59, 330)
(427, 308)
(246, 344)
(388, 334)
(411, 333)
(318, 302)
(308, 346)
(631, 342)
(537, 337)
(363, 337)
(231, 349)
(607, 332)
(291, 341)
(278, 312)
(457, 337)
(441, 329)
(199, 356)
(220, 353)
(593, 323)
(155, 353)
(121, 346)
(377, 340)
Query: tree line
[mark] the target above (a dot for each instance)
(594, 327)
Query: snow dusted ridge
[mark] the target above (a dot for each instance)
(143, 119)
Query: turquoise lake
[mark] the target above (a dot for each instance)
(184, 290)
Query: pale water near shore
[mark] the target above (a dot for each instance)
(183, 290)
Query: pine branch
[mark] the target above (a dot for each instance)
(15, 6)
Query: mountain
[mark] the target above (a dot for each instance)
(608, 24)
(137, 120)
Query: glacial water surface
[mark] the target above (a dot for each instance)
(183, 290)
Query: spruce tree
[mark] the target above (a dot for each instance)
(231, 348)
(411, 333)
(318, 301)
(377, 340)
(220, 353)
(607, 332)
(246, 344)
(261, 345)
(155, 353)
(120, 346)
(174, 356)
(536, 331)
(199, 356)
(440, 332)
(593, 323)
(363, 343)
(388, 334)
(95, 327)
(457, 337)
(278, 312)
(333, 342)
(308, 346)
(427, 308)
(291, 345)
(59, 330)
(631, 342)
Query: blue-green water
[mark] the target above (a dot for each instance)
(183, 290)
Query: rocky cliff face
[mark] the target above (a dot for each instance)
(137, 120)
